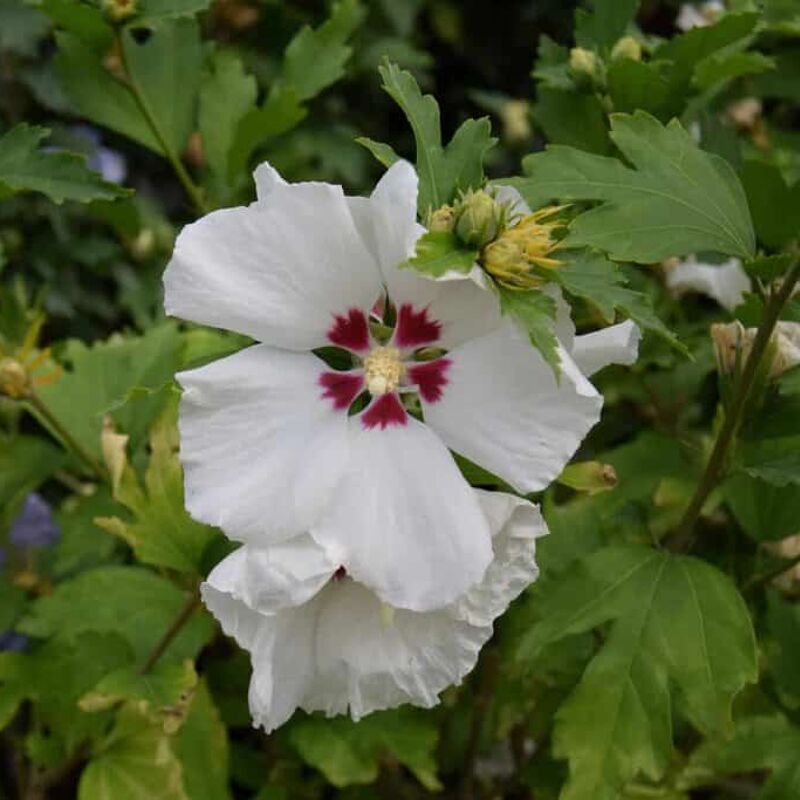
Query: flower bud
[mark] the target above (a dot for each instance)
(478, 219)
(13, 378)
(627, 47)
(516, 118)
(119, 10)
(586, 66)
(505, 260)
(733, 343)
(442, 220)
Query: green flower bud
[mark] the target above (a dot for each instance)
(478, 219)
(627, 47)
(586, 67)
(442, 220)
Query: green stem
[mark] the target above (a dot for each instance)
(194, 192)
(760, 580)
(65, 436)
(718, 459)
(166, 640)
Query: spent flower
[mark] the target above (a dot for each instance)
(321, 641)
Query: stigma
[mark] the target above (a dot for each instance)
(383, 370)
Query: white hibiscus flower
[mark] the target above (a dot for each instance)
(726, 283)
(321, 641)
(699, 15)
(272, 438)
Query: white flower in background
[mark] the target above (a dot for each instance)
(726, 283)
(699, 15)
(272, 438)
(321, 641)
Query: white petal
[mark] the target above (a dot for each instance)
(281, 643)
(387, 220)
(370, 659)
(262, 451)
(266, 178)
(405, 521)
(726, 283)
(617, 344)
(516, 524)
(512, 200)
(503, 409)
(267, 579)
(343, 649)
(279, 271)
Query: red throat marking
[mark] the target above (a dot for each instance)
(341, 387)
(350, 331)
(414, 328)
(383, 411)
(430, 378)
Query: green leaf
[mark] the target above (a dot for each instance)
(83, 21)
(25, 462)
(151, 11)
(159, 692)
(677, 201)
(59, 175)
(315, 58)
(14, 681)
(96, 94)
(130, 601)
(100, 378)
(767, 191)
(21, 27)
(568, 118)
(136, 762)
(766, 512)
(551, 69)
(605, 23)
(61, 672)
(166, 68)
(440, 252)
(82, 544)
(442, 171)
(634, 85)
(776, 461)
(688, 50)
(769, 268)
(723, 67)
(202, 747)
(782, 647)
(602, 283)
(161, 532)
(384, 153)
(226, 96)
(758, 743)
(280, 112)
(536, 313)
(680, 634)
(349, 752)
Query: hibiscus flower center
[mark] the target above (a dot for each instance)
(383, 370)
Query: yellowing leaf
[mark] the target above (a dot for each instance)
(162, 532)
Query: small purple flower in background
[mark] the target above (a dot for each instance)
(11, 640)
(109, 163)
(35, 526)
